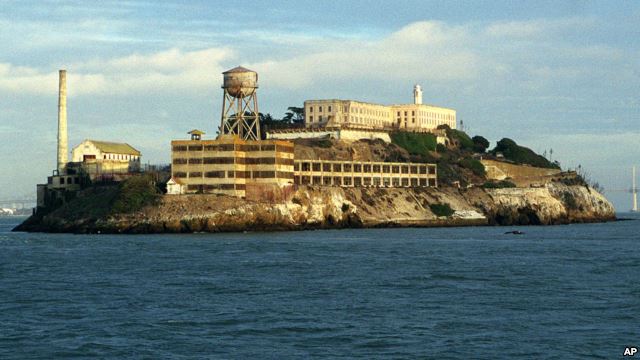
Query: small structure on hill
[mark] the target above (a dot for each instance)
(175, 187)
(105, 158)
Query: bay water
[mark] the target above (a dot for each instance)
(554, 292)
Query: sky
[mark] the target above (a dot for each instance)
(550, 75)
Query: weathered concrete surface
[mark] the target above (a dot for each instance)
(334, 207)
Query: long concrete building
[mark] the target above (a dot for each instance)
(230, 165)
(353, 114)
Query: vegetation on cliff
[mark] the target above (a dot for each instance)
(521, 155)
(414, 143)
(135, 193)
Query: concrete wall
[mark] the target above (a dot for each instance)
(499, 170)
(346, 134)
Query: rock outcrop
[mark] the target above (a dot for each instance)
(334, 207)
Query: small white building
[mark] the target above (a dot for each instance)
(104, 157)
(175, 187)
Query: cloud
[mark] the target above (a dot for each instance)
(538, 27)
(171, 70)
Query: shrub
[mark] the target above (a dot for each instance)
(325, 143)
(441, 209)
(135, 193)
(521, 154)
(498, 185)
(463, 140)
(414, 143)
(474, 165)
(569, 200)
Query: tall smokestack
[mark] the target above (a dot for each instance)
(63, 147)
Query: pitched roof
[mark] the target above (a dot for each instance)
(238, 69)
(115, 148)
(196, 132)
(175, 180)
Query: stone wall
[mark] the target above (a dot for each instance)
(499, 170)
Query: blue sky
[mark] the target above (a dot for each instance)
(551, 75)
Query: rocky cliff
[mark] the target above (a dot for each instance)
(334, 207)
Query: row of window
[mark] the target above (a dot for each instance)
(358, 181)
(366, 168)
(235, 174)
(210, 187)
(234, 160)
(69, 180)
(234, 147)
(432, 115)
(354, 110)
(119, 157)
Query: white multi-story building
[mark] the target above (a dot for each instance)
(362, 115)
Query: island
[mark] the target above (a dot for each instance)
(331, 164)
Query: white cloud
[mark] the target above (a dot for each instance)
(172, 70)
(538, 27)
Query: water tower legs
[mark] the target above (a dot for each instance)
(240, 116)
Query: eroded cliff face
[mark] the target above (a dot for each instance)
(334, 207)
(554, 204)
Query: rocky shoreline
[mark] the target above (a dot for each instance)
(334, 207)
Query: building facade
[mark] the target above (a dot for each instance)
(352, 114)
(105, 158)
(364, 173)
(228, 165)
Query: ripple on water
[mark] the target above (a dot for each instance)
(397, 293)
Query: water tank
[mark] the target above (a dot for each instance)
(240, 82)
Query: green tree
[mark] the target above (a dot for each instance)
(480, 144)
(294, 115)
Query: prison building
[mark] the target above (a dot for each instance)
(364, 174)
(228, 165)
(105, 158)
(352, 114)
(346, 114)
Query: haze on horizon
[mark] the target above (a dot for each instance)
(562, 76)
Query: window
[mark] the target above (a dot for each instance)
(319, 108)
(310, 118)
(214, 174)
(310, 109)
(329, 109)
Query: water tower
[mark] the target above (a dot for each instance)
(240, 104)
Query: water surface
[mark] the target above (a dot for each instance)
(555, 292)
